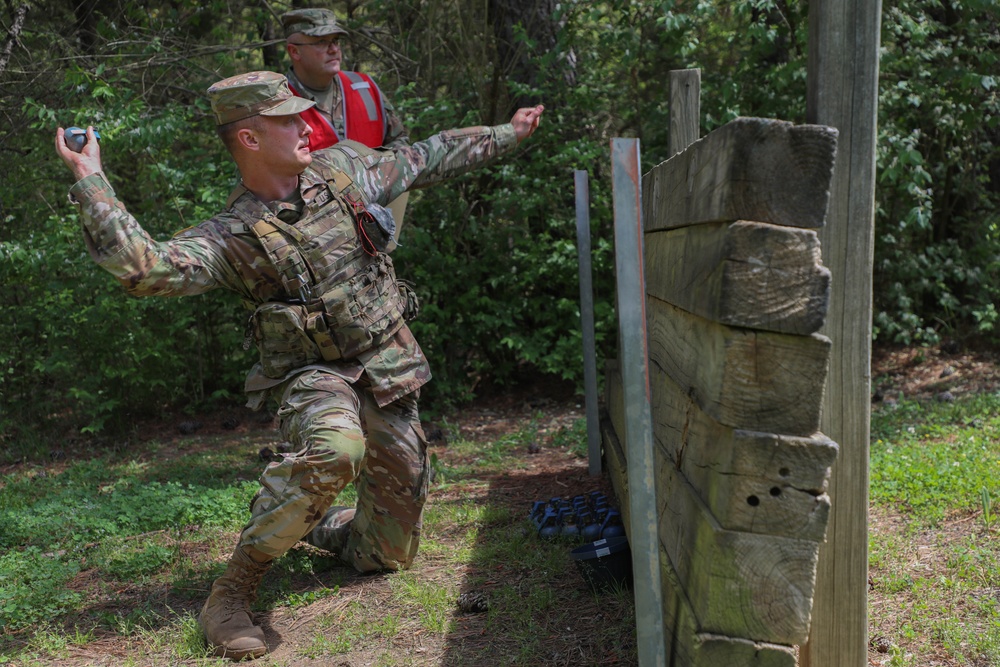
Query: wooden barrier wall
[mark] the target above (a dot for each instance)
(736, 292)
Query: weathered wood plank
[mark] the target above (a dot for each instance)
(713, 620)
(687, 647)
(755, 380)
(744, 274)
(615, 459)
(616, 463)
(740, 585)
(842, 91)
(749, 169)
(759, 483)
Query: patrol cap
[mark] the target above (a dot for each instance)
(314, 22)
(253, 94)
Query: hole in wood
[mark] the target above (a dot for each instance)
(775, 491)
(753, 501)
(784, 472)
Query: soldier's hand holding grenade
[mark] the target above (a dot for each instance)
(76, 138)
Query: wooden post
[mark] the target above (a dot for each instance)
(685, 109)
(843, 93)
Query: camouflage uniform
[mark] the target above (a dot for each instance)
(317, 22)
(353, 418)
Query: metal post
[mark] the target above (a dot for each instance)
(587, 321)
(633, 352)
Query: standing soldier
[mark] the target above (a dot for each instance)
(349, 105)
(301, 242)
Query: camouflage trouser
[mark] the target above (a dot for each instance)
(321, 415)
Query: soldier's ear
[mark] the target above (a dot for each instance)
(247, 138)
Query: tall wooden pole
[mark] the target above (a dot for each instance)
(843, 93)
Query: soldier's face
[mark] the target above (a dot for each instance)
(318, 58)
(284, 144)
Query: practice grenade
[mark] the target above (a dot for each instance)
(76, 138)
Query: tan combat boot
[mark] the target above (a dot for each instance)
(225, 619)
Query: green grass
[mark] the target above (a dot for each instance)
(929, 459)
(119, 517)
(934, 553)
(123, 548)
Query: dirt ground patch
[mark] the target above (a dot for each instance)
(912, 372)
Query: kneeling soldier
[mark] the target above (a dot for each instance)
(302, 242)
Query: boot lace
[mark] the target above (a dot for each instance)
(243, 589)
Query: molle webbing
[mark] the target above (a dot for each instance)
(293, 270)
(285, 257)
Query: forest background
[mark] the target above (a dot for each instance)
(493, 254)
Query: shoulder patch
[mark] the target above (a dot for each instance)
(357, 150)
(347, 149)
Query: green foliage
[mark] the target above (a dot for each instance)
(494, 257)
(933, 467)
(938, 170)
(93, 511)
(125, 503)
(133, 562)
(309, 597)
(130, 575)
(573, 438)
(76, 347)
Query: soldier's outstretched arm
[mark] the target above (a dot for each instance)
(384, 175)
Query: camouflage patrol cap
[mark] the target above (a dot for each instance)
(253, 94)
(314, 22)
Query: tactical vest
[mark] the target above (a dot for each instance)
(342, 297)
(364, 117)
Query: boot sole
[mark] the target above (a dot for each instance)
(251, 654)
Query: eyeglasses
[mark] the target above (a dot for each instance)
(323, 43)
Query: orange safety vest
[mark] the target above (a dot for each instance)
(364, 117)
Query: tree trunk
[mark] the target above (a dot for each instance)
(522, 28)
(272, 52)
(83, 12)
(12, 36)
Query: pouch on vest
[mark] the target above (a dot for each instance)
(282, 339)
(375, 224)
(350, 334)
(411, 302)
(376, 227)
(364, 311)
